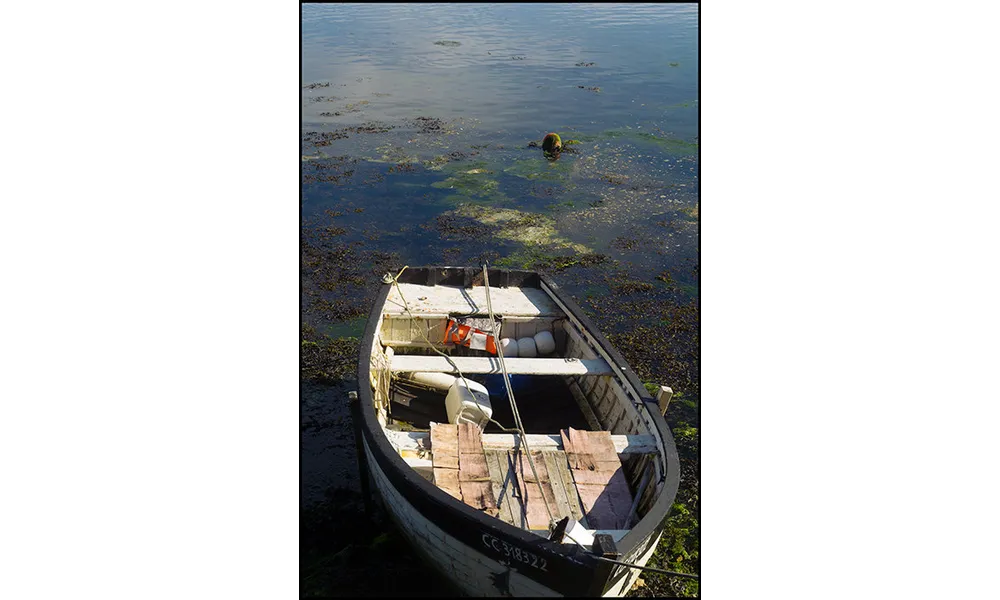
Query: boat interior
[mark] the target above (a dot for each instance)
(590, 450)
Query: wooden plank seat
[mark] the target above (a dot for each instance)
(416, 441)
(515, 366)
(446, 299)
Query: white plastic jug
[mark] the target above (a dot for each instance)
(468, 402)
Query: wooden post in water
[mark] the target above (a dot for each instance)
(663, 398)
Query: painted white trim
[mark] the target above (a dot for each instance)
(515, 366)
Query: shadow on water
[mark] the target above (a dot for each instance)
(344, 550)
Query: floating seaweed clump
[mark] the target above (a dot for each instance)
(323, 138)
(531, 229)
(448, 43)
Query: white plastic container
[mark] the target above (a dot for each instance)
(437, 381)
(544, 342)
(526, 347)
(468, 402)
(508, 346)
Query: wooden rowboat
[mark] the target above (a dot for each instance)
(543, 496)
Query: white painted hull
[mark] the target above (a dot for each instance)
(471, 571)
(465, 566)
(507, 560)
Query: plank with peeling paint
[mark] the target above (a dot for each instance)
(598, 477)
(473, 473)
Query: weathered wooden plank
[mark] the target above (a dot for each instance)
(598, 477)
(479, 495)
(584, 404)
(444, 445)
(471, 460)
(515, 366)
(580, 345)
(566, 478)
(513, 488)
(473, 474)
(446, 299)
(546, 483)
(516, 493)
(624, 444)
(502, 494)
(447, 480)
(554, 462)
(534, 501)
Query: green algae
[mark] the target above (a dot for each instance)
(534, 169)
(350, 328)
(470, 183)
(529, 229)
(672, 145)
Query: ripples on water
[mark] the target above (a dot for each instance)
(391, 48)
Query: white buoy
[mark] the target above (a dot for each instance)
(545, 343)
(508, 346)
(438, 381)
(526, 347)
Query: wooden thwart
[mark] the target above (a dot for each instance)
(599, 477)
(446, 299)
(624, 444)
(515, 366)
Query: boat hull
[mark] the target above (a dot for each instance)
(481, 555)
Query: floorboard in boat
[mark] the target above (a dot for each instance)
(459, 465)
(599, 477)
(518, 497)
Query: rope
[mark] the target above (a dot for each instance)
(510, 396)
(653, 569)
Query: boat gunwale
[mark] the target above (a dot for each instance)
(423, 494)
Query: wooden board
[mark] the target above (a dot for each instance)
(447, 480)
(512, 488)
(444, 445)
(598, 477)
(624, 444)
(503, 491)
(515, 366)
(473, 474)
(445, 300)
(535, 501)
(566, 496)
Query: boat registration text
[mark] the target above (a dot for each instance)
(514, 552)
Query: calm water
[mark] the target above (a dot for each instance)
(416, 121)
